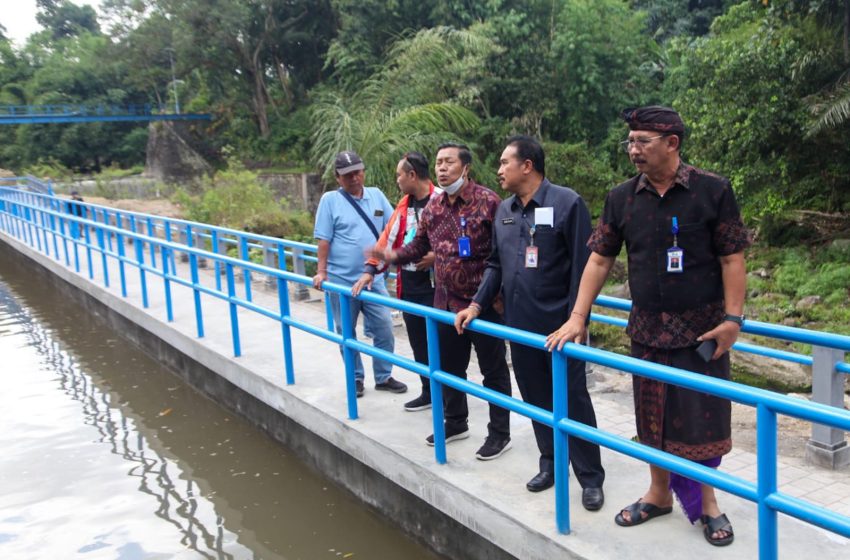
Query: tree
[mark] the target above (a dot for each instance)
(743, 98)
(65, 19)
(413, 103)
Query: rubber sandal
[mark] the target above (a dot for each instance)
(711, 525)
(637, 511)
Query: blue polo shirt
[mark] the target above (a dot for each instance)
(339, 223)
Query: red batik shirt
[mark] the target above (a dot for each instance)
(456, 278)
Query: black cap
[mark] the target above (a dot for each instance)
(348, 161)
(654, 117)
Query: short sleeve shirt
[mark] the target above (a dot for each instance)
(670, 310)
(339, 223)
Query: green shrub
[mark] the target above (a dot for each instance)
(583, 169)
(235, 198)
(830, 280)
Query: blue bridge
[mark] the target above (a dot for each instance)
(231, 300)
(70, 113)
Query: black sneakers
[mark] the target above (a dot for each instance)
(422, 402)
(493, 447)
(451, 435)
(392, 386)
(359, 388)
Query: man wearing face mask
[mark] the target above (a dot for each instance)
(457, 226)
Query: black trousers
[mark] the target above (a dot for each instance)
(455, 351)
(533, 371)
(417, 334)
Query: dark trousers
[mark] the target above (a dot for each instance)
(417, 334)
(533, 372)
(455, 351)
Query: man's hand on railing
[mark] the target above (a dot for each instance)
(365, 281)
(465, 316)
(574, 330)
(725, 334)
(320, 277)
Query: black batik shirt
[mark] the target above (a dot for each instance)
(671, 310)
(537, 299)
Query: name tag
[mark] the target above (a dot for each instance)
(464, 247)
(531, 257)
(379, 213)
(507, 221)
(675, 260)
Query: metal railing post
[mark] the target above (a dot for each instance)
(827, 446)
(140, 260)
(766, 467)
(348, 353)
(119, 241)
(166, 284)
(561, 442)
(101, 243)
(245, 255)
(193, 269)
(283, 299)
(87, 237)
(217, 249)
(234, 318)
(437, 412)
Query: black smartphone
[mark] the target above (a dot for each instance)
(706, 349)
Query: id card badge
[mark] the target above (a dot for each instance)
(675, 260)
(531, 257)
(463, 247)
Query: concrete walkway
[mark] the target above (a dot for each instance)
(489, 498)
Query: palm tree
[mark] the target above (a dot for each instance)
(416, 101)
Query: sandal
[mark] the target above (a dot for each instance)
(637, 511)
(711, 525)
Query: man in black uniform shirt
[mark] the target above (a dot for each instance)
(539, 252)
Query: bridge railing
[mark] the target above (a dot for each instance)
(77, 109)
(826, 447)
(29, 183)
(273, 252)
(45, 227)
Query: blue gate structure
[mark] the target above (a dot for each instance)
(45, 222)
(74, 113)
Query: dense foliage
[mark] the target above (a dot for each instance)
(764, 85)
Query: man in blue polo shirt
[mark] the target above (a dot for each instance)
(348, 222)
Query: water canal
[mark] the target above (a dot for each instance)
(105, 454)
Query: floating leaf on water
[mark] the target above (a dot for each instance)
(165, 412)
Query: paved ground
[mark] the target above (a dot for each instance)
(490, 497)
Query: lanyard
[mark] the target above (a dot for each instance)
(675, 230)
(463, 226)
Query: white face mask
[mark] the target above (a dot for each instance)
(454, 187)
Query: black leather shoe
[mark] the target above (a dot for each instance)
(541, 481)
(592, 499)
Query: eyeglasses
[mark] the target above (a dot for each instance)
(639, 142)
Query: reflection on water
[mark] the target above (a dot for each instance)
(105, 455)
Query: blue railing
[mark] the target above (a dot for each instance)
(30, 183)
(70, 112)
(44, 226)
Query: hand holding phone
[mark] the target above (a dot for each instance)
(706, 349)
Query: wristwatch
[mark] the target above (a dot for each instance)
(735, 319)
